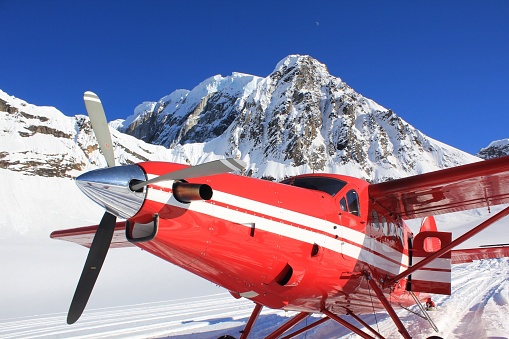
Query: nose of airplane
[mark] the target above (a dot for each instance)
(110, 188)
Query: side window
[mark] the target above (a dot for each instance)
(353, 202)
(342, 204)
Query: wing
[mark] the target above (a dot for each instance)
(480, 184)
(471, 254)
(84, 236)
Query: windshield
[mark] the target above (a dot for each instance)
(328, 185)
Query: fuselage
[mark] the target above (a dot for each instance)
(280, 245)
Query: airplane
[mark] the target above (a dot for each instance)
(316, 243)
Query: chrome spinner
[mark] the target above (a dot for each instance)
(110, 188)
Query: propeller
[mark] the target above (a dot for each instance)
(104, 233)
(93, 264)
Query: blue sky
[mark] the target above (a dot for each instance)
(440, 65)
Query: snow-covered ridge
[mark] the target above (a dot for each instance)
(299, 119)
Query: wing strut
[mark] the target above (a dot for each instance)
(448, 247)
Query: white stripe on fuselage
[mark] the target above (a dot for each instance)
(259, 214)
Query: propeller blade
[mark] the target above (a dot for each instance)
(100, 126)
(206, 169)
(93, 264)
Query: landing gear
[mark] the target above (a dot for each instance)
(284, 331)
(227, 336)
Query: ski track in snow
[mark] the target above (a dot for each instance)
(477, 308)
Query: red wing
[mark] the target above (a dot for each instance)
(84, 236)
(471, 254)
(480, 184)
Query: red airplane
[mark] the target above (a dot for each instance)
(315, 243)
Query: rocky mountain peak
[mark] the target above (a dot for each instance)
(301, 69)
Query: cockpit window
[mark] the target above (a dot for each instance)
(330, 186)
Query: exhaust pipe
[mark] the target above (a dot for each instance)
(185, 192)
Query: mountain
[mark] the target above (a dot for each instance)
(298, 119)
(495, 149)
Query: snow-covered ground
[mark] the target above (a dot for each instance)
(140, 296)
(478, 308)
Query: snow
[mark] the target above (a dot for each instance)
(236, 83)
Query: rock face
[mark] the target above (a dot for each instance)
(496, 149)
(299, 117)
